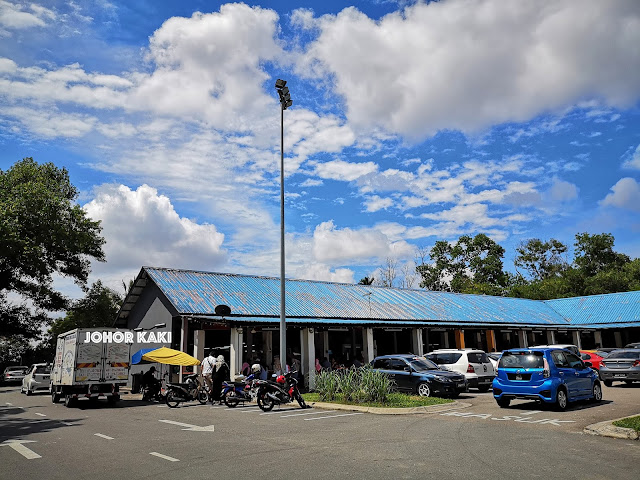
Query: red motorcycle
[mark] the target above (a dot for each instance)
(283, 390)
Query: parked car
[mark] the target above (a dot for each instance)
(572, 348)
(593, 358)
(38, 377)
(472, 363)
(494, 358)
(621, 366)
(633, 345)
(550, 375)
(14, 374)
(418, 375)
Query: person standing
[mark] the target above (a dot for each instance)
(220, 374)
(207, 369)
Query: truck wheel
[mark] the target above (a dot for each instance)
(55, 397)
(69, 401)
(113, 399)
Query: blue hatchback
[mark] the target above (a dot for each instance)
(551, 375)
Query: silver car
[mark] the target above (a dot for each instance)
(38, 377)
(621, 366)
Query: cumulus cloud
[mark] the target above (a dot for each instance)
(634, 160)
(15, 17)
(446, 65)
(142, 227)
(342, 170)
(625, 194)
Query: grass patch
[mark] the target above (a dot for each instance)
(631, 422)
(394, 400)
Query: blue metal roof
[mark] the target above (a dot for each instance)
(612, 309)
(198, 293)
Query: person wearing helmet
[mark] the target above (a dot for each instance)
(151, 383)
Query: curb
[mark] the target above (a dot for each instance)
(607, 429)
(392, 411)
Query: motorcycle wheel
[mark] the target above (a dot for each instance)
(264, 402)
(298, 397)
(203, 397)
(231, 399)
(172, 400)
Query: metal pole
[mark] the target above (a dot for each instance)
(283, 323)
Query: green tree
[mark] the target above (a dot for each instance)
(594, 254)
(98, 308)
(540, 259)
(42, 232)
(366, 281)
(471, 265)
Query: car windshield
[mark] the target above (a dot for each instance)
(43, 370)
(521, 360)
(422, 364)
(613, 355)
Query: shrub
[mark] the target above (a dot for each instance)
(361, 385)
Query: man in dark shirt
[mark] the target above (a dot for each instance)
(151, 383)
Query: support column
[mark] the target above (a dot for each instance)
(416, 342)
(522, 339)
(598, 337)
(459, 338)
(325, 344)
(184, 328)
(367, 345)
(445, 336)
(576, 339)
(618, 337)
(308, 357)
(551, 337)
(267, 342)
(491, 340)
(198, 347)
(235, 352)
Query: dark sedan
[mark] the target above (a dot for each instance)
(621, 366)
(413, 374)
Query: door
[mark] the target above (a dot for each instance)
(401, 376)
(567, 374)
(581, 373)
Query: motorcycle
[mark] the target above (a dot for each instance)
(234, 393)
(283, 390)
(185, 392)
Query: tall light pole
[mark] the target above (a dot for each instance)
(285, 102)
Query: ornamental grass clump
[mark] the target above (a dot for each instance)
(355, 385)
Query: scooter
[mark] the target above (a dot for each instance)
(283, 390)
(234, 393)
(185, 392)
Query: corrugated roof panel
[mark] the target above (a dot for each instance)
(198, 293)
(600, 309)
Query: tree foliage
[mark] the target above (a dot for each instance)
(42, 232)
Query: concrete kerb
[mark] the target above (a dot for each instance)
(607, 429)
(432, 409)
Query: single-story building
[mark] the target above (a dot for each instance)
(343, 321)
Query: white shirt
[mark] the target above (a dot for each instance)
(207, 365)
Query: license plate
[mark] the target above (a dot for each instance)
(518, 377)
(461, 385)
(618, 375)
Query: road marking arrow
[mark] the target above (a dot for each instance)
(190, 428)
(18, 446)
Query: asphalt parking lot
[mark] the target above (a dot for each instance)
(143, 440)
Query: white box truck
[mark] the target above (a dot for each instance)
(91, 363)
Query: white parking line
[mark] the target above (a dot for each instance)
(319, 412)
(283, 410)
(334, 416)
(68, 424)
(171, 459)
(103, 436)
(40, 414)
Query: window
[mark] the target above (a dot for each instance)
(444, 358)
(381, 363)
(559, 359)
(574, 361)
(521, 360)
(43, 370)
(478, 357)
(397, 364)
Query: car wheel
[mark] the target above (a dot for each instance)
(503, 402)
(424, 389)
(562, 400)
(597, 392)
(28, 392)
(608, 383)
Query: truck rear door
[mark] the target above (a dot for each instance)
(116, 362)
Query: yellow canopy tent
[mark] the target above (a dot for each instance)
(168, 356)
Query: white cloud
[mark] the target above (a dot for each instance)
(143, 228)
(446, 65)
(13, 16)
(634, 160)
(561, 191)
(375, 203)
(625, 194)
(347, 171)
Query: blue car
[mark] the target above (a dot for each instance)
(554, 376)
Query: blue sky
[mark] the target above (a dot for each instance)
(412, 122)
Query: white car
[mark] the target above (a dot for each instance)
(472, 363)
(494, 358)
(38, 377)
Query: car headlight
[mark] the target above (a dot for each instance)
(442, 379)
